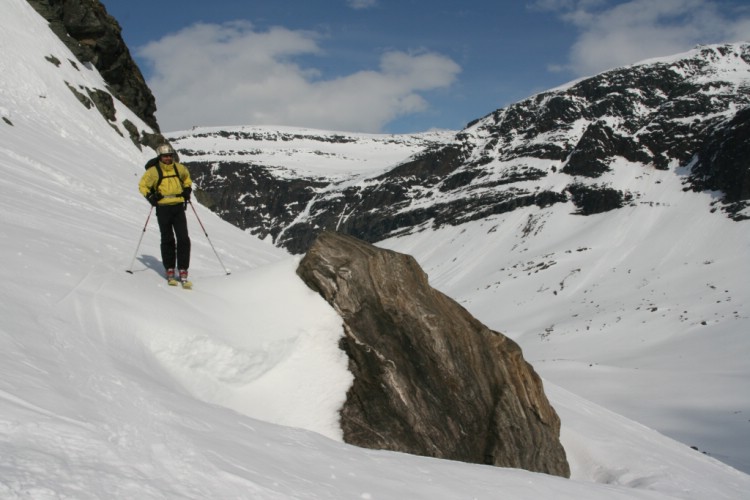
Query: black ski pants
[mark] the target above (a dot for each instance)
(175, 242)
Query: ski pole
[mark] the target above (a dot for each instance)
(130, 270)
(209, 239)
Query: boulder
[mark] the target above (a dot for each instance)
(429, 378)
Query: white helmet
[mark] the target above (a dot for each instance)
(164, 149)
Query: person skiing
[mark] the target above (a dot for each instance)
(167, 186)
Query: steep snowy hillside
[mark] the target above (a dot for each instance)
(114, 385)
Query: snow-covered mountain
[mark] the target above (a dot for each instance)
(595, 143)
(113, 385)
(268, 179)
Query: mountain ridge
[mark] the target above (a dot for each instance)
(558, 146)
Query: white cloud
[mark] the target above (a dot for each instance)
(622, 33)
(361, 4)
(211, 75)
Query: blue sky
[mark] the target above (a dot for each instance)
(393, 66)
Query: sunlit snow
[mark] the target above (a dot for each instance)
(114, 385)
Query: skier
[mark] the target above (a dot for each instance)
(167, 186)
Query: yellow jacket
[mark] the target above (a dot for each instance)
(171, 187)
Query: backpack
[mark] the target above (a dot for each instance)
(154, 162)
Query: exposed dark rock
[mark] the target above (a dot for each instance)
(429, 168)
(429, 379)
(103, 102)
(268, 199)
(82, 98)
(723, 164)
(132, 131)
(95, 37)
(598, 146)
(53, 60)
(151, 140)
(459, 179)
(590, 158)
(597, 199)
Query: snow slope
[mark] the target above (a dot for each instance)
(113, 385)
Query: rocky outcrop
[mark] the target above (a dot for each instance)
(722, 164)
(429, 379)
(595, 199)
(95, 37)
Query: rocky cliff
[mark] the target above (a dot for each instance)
(95, 38)
(723, 164)
(429, 379)
(581, 145)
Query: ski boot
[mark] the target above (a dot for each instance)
(184, 279)
(171, 278)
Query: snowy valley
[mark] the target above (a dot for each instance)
(113, 385)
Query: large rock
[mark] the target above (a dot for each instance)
(429, 379)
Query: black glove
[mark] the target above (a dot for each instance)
(186, 193)
(154, 198)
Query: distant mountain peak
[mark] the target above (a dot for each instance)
(581, 144)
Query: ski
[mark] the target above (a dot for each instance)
(172, 280)
(187, 285)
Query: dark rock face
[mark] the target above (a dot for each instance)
(559, 146)
(597, 199)
(273, 199)
(429, 379)
(94, 37)
(724, 164)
